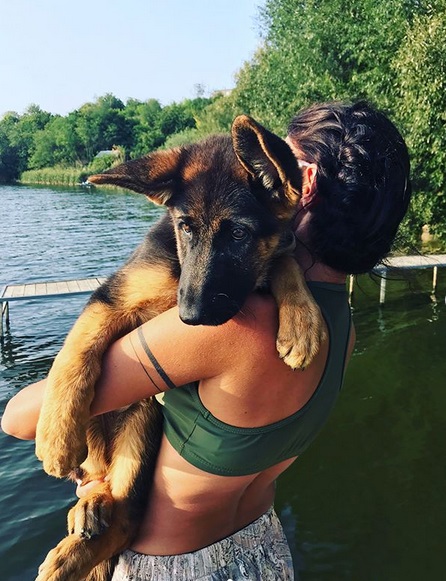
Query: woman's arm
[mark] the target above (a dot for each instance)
(22, 412)
(185, 353)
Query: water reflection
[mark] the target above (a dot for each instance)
(368, 496)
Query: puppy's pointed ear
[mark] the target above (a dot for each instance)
(153, 175)
(267, 158)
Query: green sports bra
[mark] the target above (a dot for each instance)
(219, 448)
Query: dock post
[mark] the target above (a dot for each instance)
(434, 279)
(4, 313)
(382, 289)
(350, 287)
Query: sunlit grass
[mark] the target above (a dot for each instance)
(55, 176)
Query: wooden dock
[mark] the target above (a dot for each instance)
(44, 291)
(69, 288)
(417, 261)
(421, 261)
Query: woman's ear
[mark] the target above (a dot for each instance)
(309, 172)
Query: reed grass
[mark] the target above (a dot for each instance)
(60, 176)
(71, 176)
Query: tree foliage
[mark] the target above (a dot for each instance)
(17, 140)
(315, 50)
(421, 98)
(38, 139)
(390, 52)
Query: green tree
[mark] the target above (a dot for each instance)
(103, 124)
(169, 126)
(218, 115)
(9, 160)
(147, 134)
(23, 130)
(315, 50)
(421, 72)
(17, 141)
(57, 144)
(175, 118)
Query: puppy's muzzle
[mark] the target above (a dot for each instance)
(219, 309)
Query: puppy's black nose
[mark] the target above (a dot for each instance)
(191, 317)
(214, 312)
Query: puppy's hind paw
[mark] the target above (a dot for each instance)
(61, 563)
(71, 560)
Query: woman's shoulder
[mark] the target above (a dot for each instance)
(257, 320)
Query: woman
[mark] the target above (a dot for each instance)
(229, 436)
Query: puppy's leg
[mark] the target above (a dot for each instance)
(103, 571)
(135, 452)
(301, 326)
(83, 518)
(74, 557)
(144, 291)
(92, 514)
(106, 520)
(133, 458)
(61, 429)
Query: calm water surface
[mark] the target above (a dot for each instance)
(365, 503)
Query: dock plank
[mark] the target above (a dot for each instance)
(417, 261)
(30, 290)
(84, 285)
(18, 291)
(73, 286)
(93, 285)
(62, 287)
(49, 289)
(41, 288)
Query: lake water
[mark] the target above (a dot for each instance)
(365, 503)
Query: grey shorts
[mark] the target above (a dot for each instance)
(258, 552)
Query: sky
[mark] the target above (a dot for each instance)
(60, 54)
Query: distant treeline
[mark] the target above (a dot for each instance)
(38, 139)
(390, 52)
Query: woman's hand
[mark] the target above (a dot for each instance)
(83, 490)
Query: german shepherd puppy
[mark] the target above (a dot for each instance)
(230, 202)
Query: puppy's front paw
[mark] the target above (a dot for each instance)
(301, 333)
(60, 451)
(92, 515)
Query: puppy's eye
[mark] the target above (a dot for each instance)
(238, 233)
(186, 228)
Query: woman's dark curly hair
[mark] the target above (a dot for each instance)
(362, 182)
